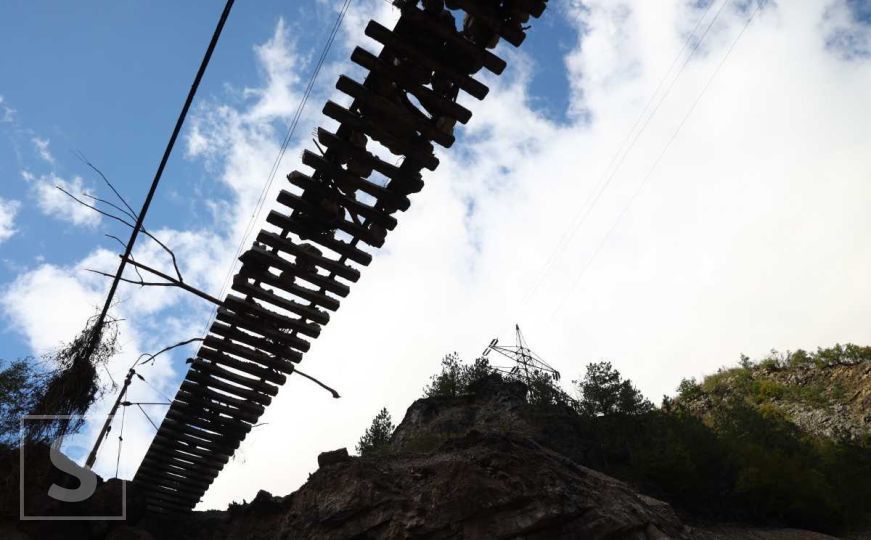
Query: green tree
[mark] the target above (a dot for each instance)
(448, 382)
(543, 389)
(377, 436)
(604, 392)
(20, 391)
(455, 377)
(479, 369)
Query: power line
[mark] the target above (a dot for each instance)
(285, 143)
(140, 219)
(656, 162)
(619, 157)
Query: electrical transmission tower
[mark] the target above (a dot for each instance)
(525, 364)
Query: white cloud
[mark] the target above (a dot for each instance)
(8, 211)
(42, 149)
(54, 203)
(7, 113)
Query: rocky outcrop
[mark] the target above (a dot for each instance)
(830, 401)
(475, 486)
(491, 406)
(467, 467)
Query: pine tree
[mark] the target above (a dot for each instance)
(377, 435)
(604, 392)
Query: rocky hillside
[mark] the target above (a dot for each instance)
(485, 464)
(827, 399)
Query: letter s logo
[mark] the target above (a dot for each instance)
(87, 478)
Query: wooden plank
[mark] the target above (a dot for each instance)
(200, 454)
(494, 19)
(345, 149)
(226, 348)
(200, 472)
(204, 392)
(389, 39)
(333, 170)
(346, 250)
(164, 460)
(412, 148)
(352, 205)
(301, 205)
(287, 342)
(459, 44)
(400, 114)
(149, 474)
(447, 107)
(177, 483)
(209, 380)
(265, 295)
(289, 247)
(193, 445)
(281, 361)
(195, 431)
(200, 459)
(216, 370)
(158, 455)
(324, 282)
(240, 305)
(315, 297)
(198, 402)
(194, 414)
(188, 470)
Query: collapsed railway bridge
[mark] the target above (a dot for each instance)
(302, 264)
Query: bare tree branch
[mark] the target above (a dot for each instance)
(319, 383)
(135, 269)
(151, 357)
(145, 232)
(108, 183)
(115, 206)
(133, 281)
(180, 284)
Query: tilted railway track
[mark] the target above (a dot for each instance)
(302, 265)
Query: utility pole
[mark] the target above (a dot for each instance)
(92, 457)
(140, 217)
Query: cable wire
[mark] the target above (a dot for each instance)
(655, 163)
(619, 157)
(98, 325)
(150, 421)
(284, 145)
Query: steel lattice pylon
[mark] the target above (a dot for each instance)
(525, 362)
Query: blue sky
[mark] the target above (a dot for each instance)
(616, 206)
(110, 83)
